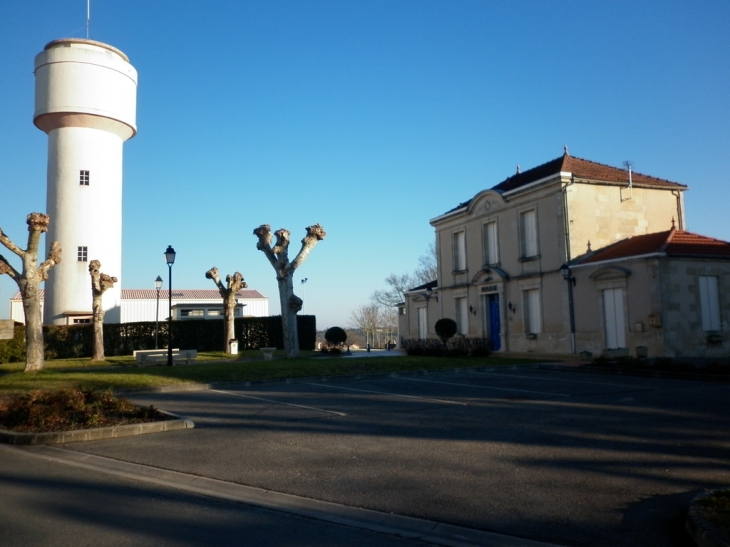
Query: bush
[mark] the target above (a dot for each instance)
(69, 409)
(445, 328)
(457, 347)
(69, 341)
(335, 336)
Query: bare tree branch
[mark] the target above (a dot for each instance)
(6, 268)
(53, 258)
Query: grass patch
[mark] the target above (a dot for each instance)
(241, 370)
(716, 509)
(128, 360)
(70, 409)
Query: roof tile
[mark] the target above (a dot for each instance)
(678, 243)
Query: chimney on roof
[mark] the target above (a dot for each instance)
(518, 169)
(565, 150)
(673, 227)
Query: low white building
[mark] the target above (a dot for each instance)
(142, 305)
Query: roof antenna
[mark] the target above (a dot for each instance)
(88, 17)
(565, 150)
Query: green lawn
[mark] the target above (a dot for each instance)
(245, 368)
(128, 360)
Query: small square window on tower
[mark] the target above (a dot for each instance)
(83, 178)
(83, 254)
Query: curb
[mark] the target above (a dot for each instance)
(704, 533)
(429, 531)
(80, 435)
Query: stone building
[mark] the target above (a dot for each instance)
(500, 256)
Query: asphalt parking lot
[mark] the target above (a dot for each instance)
(566, 458)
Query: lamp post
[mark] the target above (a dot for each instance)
(158, 286)
(304, 293)
(568, 276)
(170, 259)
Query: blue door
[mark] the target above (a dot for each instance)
(494, 324)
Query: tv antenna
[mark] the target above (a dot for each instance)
(88, 17)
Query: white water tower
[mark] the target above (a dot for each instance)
(86, 101)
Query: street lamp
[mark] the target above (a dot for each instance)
(170, 259)
(158, 286)
(568, 276)
(304, 293)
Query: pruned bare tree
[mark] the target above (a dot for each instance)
(100, 282)
(234, 283)
(367, 319)
(427, 270)
(28, 282)
(278, 256)
(397, 286)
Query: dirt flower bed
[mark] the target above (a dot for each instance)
(71, 409)
(716, 509)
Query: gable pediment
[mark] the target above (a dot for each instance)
(612, 273)
(485, 203)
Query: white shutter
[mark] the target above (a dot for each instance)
(422, 323)
(533, 316)
(529, 233)
(709, 302)
(613, 311)
(491, 255)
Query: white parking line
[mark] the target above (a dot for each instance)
(484, 387)
(278, 402)
(392, 394)
(554, 379)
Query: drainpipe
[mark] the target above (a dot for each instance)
(566, 219)
(680, 217)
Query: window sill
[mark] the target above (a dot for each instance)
(458, 272)
(529, 258)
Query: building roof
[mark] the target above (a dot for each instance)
(430, 285)
(177, 294)
(581, 169)
(677, 243)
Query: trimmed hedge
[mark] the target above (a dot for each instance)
(456, 347)
(69, 341)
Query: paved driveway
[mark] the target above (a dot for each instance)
(567, 458)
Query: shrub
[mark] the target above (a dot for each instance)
(69, 409)
(73, 341)
(457, 347)
(335, 336)
(445, 328)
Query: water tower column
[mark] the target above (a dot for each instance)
(86, 103)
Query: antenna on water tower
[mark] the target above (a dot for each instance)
(88, 17)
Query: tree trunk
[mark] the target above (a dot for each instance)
(100, 283)
(98, 311)
(290, 305)
(34, 347)
(229, 319)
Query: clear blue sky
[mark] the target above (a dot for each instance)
(369, 117)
